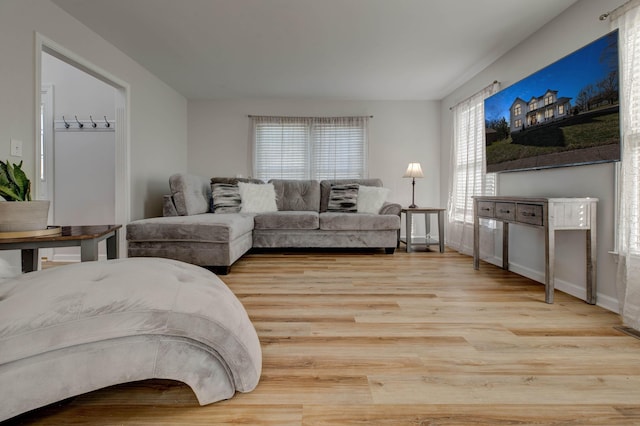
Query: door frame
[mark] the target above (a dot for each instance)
(122, 128)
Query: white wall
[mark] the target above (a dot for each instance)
(158, 114)
(576, 27)
(400, 132)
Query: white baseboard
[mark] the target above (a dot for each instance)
(574, 289)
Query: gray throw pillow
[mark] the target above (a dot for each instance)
(343, 198)
(226, 198)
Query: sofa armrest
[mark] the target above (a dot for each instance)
(168, 206)
(390, 208)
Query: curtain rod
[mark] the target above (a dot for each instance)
(453, 106)
(295, 116)
(606, 15)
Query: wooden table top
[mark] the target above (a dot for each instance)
(68, 233)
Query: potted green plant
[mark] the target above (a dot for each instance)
(18, 212)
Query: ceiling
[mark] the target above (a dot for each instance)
(314, 49)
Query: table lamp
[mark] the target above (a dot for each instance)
(413, 171)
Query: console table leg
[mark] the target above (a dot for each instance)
(476, 240)
(591, 267)
(549, 256)
(505, 245)
(441, 230)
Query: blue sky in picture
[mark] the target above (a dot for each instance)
(568, 76)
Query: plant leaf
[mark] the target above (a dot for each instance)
(22, 182)
(8, 194)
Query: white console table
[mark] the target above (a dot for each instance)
(548, 214)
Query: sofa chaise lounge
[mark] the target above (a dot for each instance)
(73, 329)
(302, 217)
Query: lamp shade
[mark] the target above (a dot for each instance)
(413, 171)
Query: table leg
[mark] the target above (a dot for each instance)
(441, 230)
(407, 217)
(476, 239)
(89, 250)
(549, 261)
(505, 245)
(427, 228)
(29, 260)
(591, 267)
(113, 249)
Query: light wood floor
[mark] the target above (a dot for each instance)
(404, 339)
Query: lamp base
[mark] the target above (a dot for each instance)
(413, 206)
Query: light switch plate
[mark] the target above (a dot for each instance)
(16, 148)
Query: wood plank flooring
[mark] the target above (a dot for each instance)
(404, 339)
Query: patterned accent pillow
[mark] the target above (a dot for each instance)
(226, 198)
(343, 198)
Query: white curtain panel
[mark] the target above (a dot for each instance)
(469, 177)
(627, 20)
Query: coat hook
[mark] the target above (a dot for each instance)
(107, 124)
(93, 123)
(66, 125)
(80, 125)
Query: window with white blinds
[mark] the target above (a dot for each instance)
(470, 177)
(629, 179)
(309, 147)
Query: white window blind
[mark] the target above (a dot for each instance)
(468, 169)
(470, 177)
(627, 19)
(310, 147)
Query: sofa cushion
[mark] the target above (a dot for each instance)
(287, 220)
(325, 188)
(297, 195)
(343, 198)
(330, 221)
(208, 227)
(191, 194)
(226, 198)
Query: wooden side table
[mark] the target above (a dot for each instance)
(427, 212)
(87, 237)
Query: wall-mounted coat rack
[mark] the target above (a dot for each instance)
(90, 125)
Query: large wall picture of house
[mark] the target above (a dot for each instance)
(565, 114)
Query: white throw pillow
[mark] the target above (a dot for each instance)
(371, 198)
(257, 198)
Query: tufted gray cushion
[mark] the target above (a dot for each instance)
(297, 195)
(191, 194)
(330, 221)
(206, 228)
(287, 220)
(73, 329)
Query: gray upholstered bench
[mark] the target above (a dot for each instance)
(73, 329)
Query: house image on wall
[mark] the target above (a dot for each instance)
(539, 110)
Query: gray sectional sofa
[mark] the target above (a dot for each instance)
(189, 231)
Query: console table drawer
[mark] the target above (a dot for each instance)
(486, 209)
(529, 213)
(506, 211)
